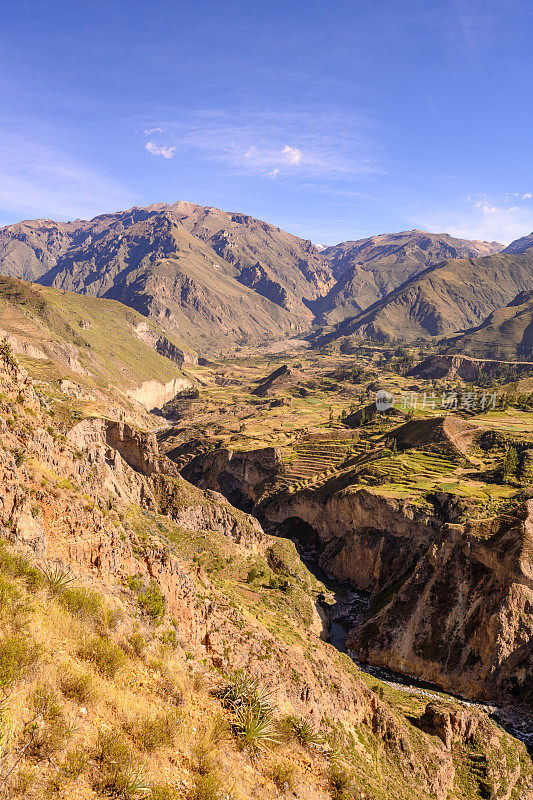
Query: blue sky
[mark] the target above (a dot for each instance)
(334, 120)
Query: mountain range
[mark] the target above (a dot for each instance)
(448, 298)
(506, 334)
(208, 274)
(368, 269)
(217, 278)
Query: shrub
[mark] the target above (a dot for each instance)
(170, 691)
(45, 702)
(159, 731)
(78, 686)
(18, 654)
(117, 775)
(255, 730)
(19, 567)
(217, 730)
(137, 642)
(241, 690)
(22, 782)
(82, 603)
(43, 742)
(253, 575)
(75, 763)
(111, 750)
(282, 775)
(106, 656)
(128, 783)
(19, 456)
(203, 761)
(301, 730)
(13, 608)
(152, 602)
(340, 783)
(149, 598)
(207, 787)
(162, 792)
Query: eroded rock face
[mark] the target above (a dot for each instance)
(76, 527)
(240, 476)
(154, 394)
(139, 450)
(449, 723)
(164, 346)
(452, 606)
(458, 366)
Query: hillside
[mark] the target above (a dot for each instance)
(520, 245)
(216, 277)
(97, 351)
(447, 298)
(368, 269)
(506, 334)
(156, 643)
(212, 276)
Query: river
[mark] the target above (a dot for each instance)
(347, 611)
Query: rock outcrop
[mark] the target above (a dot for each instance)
(154, 394)
(452, 603)
(467, 368)
(242, 477)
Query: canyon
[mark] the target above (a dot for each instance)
(115, 511)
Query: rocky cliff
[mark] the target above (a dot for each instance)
(469, 369)
(101, 511)
(451, 603)
(242, 477)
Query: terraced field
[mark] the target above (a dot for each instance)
(312, 458)
(417, 472)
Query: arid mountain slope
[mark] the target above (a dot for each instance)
(156, 643)
(368, 269)
(450, 297)
(29, 249)
(506, 334)
(276, 264)
(211, 275)
(520, 245)
(99, 352)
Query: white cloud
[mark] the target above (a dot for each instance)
(292, 154)
(151, 131)
(156, 150)
(518, 196)
(322, 145)
(488, 219)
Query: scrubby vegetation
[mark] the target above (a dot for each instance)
(144, 656)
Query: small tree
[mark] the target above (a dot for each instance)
(510, 464)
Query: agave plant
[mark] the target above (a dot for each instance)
(130, 784)
(304, 732)
(255, 730)
(56, 578)
(241, 691)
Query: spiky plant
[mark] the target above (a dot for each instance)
(133, 784)
(255, 730)
(304, 731)
(56, 578)
(241, 690)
